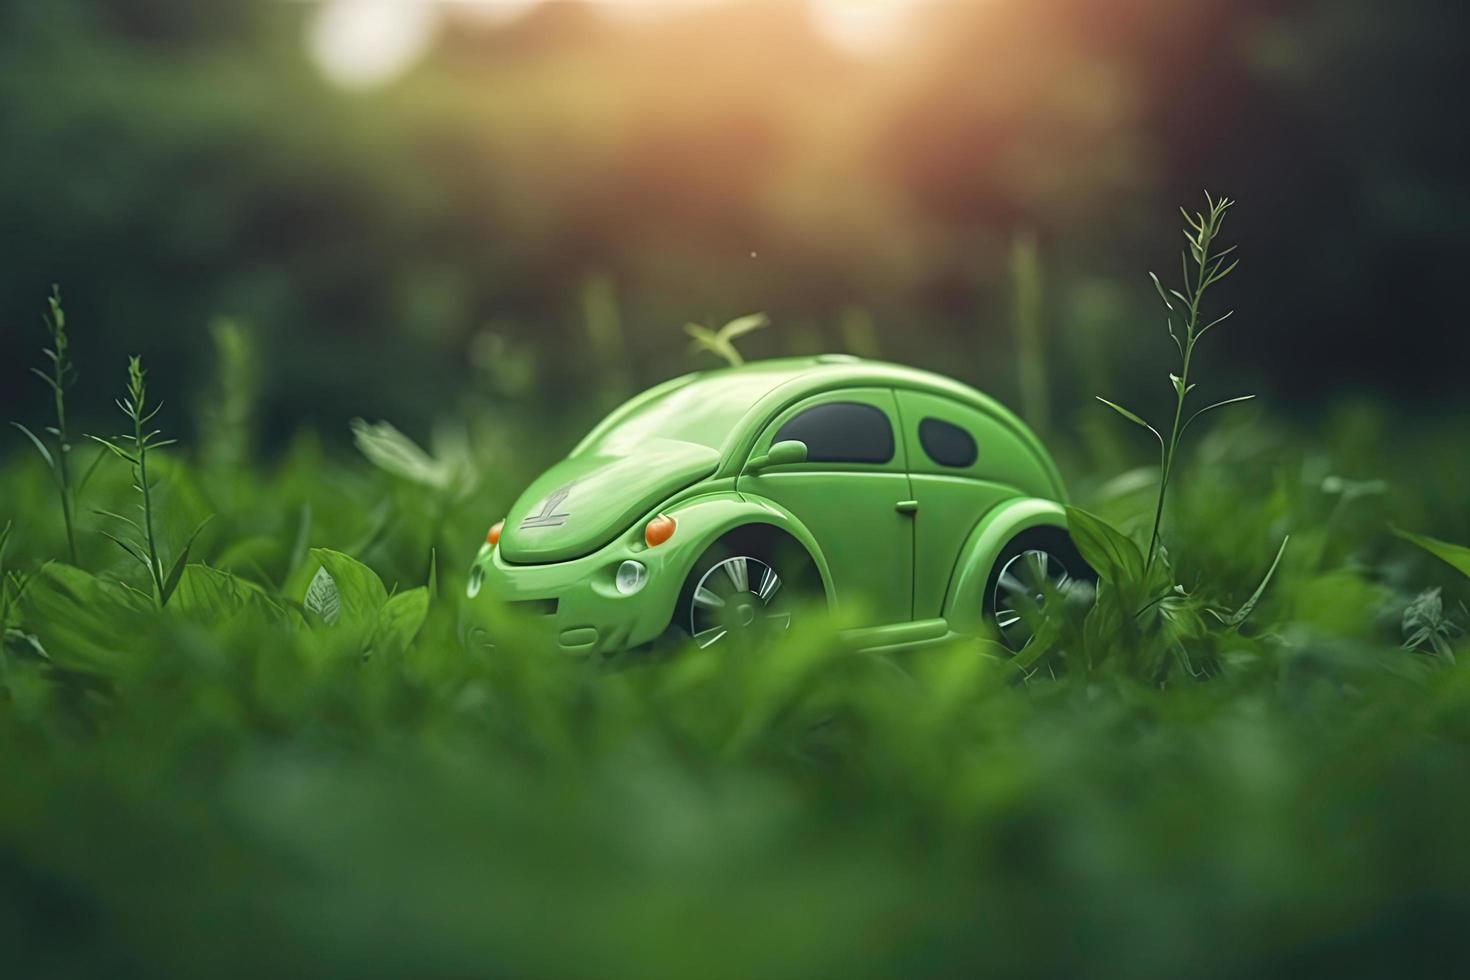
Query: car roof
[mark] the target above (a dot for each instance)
(796, 377)
(771, 385)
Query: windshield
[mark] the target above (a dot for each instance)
(703, 412)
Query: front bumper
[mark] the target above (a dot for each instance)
(577, 600)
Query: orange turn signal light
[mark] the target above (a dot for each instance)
(493, 535)
(659, 530)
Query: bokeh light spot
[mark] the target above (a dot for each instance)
(366, 43)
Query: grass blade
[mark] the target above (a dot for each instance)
(1455, 555)
(40, 447)
(1235, 619)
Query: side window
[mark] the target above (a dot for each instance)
(841, 432)
(946, 444)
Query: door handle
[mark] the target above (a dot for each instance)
(907, 506)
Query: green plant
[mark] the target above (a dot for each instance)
(366, 743)
(12, 583)
(1183, 323)
(134, 447)
(227, 415)
(443, 478)
(721, 342)
(1426, 624)
(387, 448)
(58, 378)
(1455, 555)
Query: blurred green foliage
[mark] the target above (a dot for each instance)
(546, 179)
(328, 762)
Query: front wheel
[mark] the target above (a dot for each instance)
(1033, 573)
(742, 592)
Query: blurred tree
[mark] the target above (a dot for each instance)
(718, 159)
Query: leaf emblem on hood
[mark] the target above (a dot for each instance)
(548, 516)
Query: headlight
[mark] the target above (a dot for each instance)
(630, 577)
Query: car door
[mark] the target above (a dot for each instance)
(851, 493)
(954, 454)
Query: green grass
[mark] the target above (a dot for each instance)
(230, 786)
(318, 758)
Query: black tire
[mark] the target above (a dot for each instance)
(746, 589)
(1012, 625)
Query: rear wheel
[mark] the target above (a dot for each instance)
(1035, 571)
(744, 591)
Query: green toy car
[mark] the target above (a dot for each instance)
(915, 505)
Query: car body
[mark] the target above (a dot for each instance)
(898, 490)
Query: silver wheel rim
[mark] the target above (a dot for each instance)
(1025, 584)
(737, 597)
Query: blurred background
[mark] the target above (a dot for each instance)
(488, 222)
(402, 200)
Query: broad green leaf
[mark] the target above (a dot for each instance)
(1453, 554)
(1110, 552)
(360, 592)
(213, 596)
(400, 620)
(85, 622)
(321, 597)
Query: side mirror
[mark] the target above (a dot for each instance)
(781, 454)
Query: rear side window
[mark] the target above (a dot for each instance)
(946, 444)
(841, 432)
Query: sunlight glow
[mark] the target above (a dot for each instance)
(365, 43)
(861, 25)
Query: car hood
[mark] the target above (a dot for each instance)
(585, 501)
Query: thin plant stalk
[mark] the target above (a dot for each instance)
(1203, 267)
(136, 388)
(60, 377)
(134, 447)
